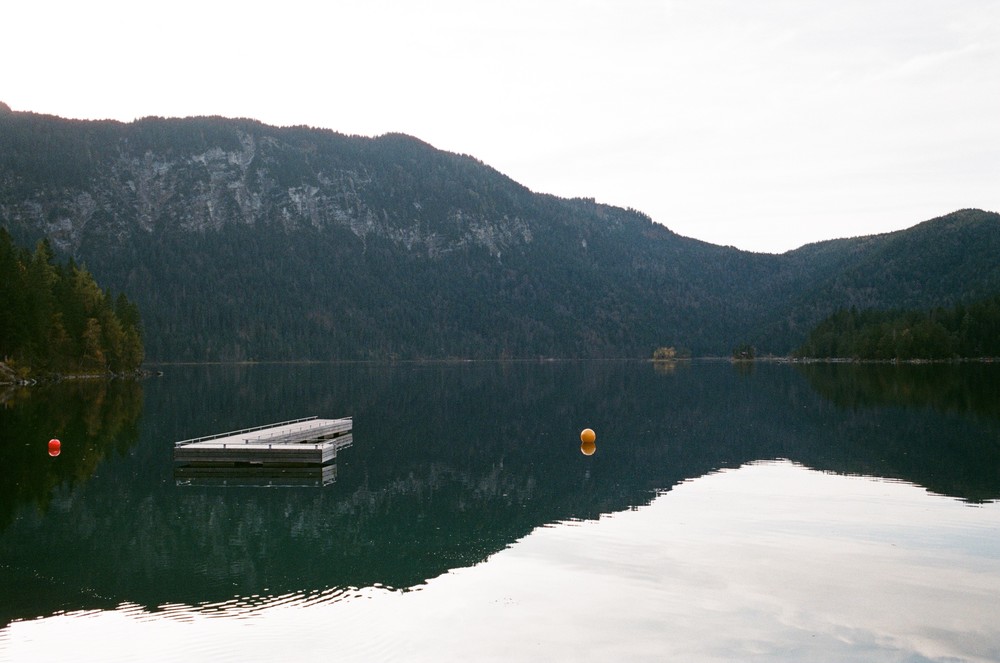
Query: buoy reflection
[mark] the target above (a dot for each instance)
(588, 448)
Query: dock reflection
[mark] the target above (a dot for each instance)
(256, 476)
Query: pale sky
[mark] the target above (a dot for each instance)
(763, 125)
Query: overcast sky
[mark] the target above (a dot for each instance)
(764, 125)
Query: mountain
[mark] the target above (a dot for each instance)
(937, 263)
(239, 240)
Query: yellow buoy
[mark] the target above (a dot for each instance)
(588, 436)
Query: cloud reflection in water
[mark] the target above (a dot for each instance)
(767, 561)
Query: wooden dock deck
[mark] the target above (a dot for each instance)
(309, 441)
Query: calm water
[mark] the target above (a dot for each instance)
(770, 512)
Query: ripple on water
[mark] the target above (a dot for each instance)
(237, 607)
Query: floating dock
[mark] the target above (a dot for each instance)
(297, 443)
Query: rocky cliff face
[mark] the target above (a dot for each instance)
(131, 190)
(382, 247)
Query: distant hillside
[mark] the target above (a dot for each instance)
(942, 262)
(243, 241)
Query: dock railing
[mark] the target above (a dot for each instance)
(206, 438)
(318, 430)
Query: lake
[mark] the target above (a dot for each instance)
(827, 512)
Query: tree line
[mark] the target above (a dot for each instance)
(964, 331)
(56, 319)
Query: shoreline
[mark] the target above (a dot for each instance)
(9, 377)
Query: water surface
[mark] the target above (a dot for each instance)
(773, 512)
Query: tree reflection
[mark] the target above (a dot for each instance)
(91, 418)
(964, 388)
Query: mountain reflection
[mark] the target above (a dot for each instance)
(937, 424)
(450, 464)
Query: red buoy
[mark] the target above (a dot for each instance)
(54, 447)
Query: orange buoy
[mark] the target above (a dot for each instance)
(588, 436)
(55, 446)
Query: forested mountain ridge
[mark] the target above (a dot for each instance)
(243, 241)
(938, 263)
